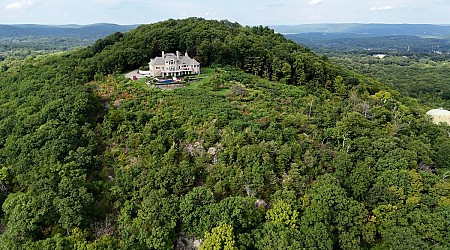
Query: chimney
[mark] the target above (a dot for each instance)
(178, 55)
(163, 54)
(186, 54)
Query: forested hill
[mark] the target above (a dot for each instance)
(276, 149)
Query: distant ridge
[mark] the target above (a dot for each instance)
(91, 31)
(370, 38)
(367, 29)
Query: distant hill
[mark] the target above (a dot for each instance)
(93, 31)
(321, 42)
(21, 40)
(372, 38)
(368, 29)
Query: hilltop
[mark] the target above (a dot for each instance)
(277, 149)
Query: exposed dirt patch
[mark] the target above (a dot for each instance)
(169, 86)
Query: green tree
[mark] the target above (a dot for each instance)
(195, 211)
(283, 213)
(220, 238)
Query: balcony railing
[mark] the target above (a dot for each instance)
(177, 70)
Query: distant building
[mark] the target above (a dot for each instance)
(173, 65)
(380, 56)
(440, 115)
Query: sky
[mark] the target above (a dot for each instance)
(246, 12)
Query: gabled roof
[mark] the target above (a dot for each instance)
(171, 56)
(193, 61)
(185, 59)
(157, 61)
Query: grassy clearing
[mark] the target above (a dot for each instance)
(206, 73)
(224, 91)
(142, 80)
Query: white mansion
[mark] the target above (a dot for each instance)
(173, 65)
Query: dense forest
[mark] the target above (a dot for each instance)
(16, 49)
(422, 77)
(368, 44)
(278, 149)
(416, 66)
(21, 41)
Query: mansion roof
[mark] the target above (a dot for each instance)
(179, 59)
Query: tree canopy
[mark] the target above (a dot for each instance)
(288, 151)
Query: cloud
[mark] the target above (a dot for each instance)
(389, 7)
(208, 14)
(314, 2)
(278, 5)
(20, 5)
(108, 2)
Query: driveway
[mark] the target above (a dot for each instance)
(134, 73)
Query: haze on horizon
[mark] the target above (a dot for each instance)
(246, 12)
